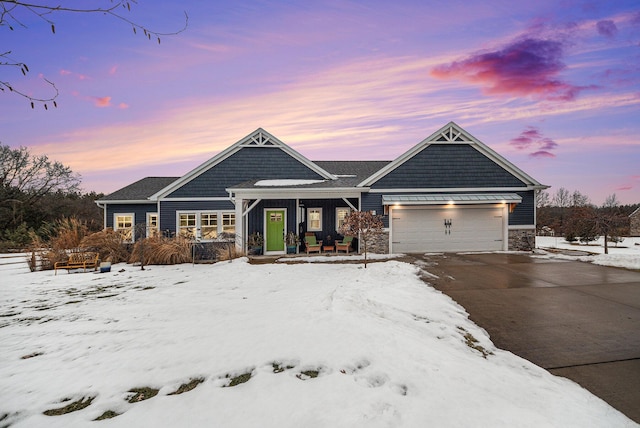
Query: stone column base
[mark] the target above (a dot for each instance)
(522, 239)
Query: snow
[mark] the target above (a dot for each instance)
(626, 254)
(390, 351)
(287, 182)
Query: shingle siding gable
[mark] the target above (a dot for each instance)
(249, 163)
(448, 166)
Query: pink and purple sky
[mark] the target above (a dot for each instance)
(552, 85)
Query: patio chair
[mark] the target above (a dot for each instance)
(311, 245)
(345, 245)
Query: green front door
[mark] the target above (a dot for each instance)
(275, 230)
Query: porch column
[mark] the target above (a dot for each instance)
(239, 225)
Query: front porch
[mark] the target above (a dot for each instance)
(281, 224)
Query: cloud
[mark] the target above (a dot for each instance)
(78, 76)
(607, 28)
(101, 101)
(532, 139)
(526, 67)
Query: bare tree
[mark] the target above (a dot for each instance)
(26, 178)
(543, 199)
(579, 200)
(364, 225)
(609, 220)
(11, 10)
(562, 198)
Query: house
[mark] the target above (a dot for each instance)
(634, 223)
(450, 192)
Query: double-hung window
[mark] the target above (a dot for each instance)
(341, 215)
(123, 224)
(208, 226)
(229, 222)
(314, 219)
(187, 225)
(153, 227)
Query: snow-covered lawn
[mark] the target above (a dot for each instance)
(274, 345)
(626, 254)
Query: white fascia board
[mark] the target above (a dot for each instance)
(217, 198)
(471, 141)
(511, 168)
(244, 142)
(455, 190)
(131, 201)
(404, 157)
(349, 192)
(197, 171)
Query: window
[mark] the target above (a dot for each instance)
(205, 225)
(153, 227)
(314, 219)
(187, 225)
(341, 214)
(123, 224)
(208, 226)
(229, 222)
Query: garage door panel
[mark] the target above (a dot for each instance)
(423, 229)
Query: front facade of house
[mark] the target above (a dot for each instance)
(449, 193)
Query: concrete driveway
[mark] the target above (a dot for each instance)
(575, 319)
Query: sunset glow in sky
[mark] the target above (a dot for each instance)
(552, 85)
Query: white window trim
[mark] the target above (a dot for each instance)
(309, 228)
(198, 213)
(341, 208)
(133, 224)
(157, 223)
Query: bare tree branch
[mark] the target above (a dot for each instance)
(8, 18)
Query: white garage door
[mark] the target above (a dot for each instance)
(426, 229)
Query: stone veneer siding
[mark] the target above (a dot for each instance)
(378, 244)
(522, 239)
(634, 223)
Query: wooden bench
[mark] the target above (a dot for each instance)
(84, 261)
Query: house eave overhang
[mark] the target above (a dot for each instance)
(125, 201)
(296, 193)
(452, 199)
(453, 190)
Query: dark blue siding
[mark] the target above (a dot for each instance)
(168, 211)
(373, 202)
(250, 163)
(256, 217)
(523, 214)
(448, 166)
(139, 211)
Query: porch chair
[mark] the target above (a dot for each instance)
(345, 245)
(311, 245)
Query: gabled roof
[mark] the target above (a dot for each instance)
(451, 133)
(258, 138)
(141, 190)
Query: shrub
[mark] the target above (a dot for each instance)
(108, 244)
(162, 251)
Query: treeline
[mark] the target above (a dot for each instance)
(573, 216)
(35, 195)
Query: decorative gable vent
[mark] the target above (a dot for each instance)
(451, 134)
(259, 139)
